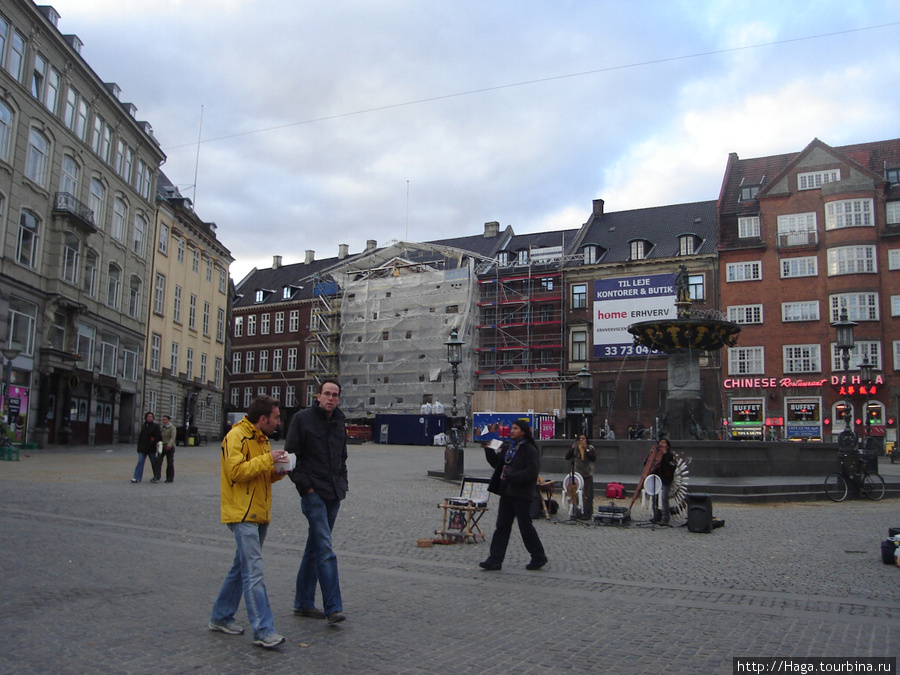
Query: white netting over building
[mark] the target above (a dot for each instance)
(395, 320)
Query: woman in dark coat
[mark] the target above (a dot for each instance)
(516, 468)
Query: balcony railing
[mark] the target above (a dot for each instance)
(788, 239)
(63, 202)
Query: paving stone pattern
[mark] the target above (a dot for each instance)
(100, 575)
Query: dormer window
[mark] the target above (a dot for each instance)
(592, 253)
(522, 257)
(748, 192)
(287, 292)
(260, 296)
(689, 244)
(892, 176)
(503, 258)
(640, 248)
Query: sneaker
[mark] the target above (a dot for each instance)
(269, 641)
(310, 613)
(227, 628)
(335, 617)
(154, 480)
(536, 564)
(490, 565)
(135, 480)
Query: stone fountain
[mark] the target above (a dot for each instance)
(684, 339)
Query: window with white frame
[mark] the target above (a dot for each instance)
(294, 321)
(276, 360)
(290, 398)
(816, 179)
(750, 270)
(591, 254)
(236, 359)
(746, 360)
(892, 213)
(292, 359)
(209, 268)
(802, 359)
(85, 340)
(22, 322)
(238, 326)
(860, 306)
(97, 202)
(109, 354)
(6, 128)
(800, 311)
(849, 213)
(276, 393)
(142, 179)
(248, 396)
(15, 60)
(639, 249)
(192, 312)
(179, 250)
(135, 286)
(89, 280)
(797, 229)
(745, 313)
(173, 359)
(205, 322)
(688, 244)
(862, 349)
(807, 266)
(895, 305)
(71, 255)
(155, 352)
(129, 362)
(579, 296)
(120, 214)
(263, 360)
(697, 286)
(195, 261)
(68, 178)
(27, 241)
(851, 260)
(163, 242)
(235, 396)
(173, 405)
(217, 373)
(249, 361)
(137, 236)
(579, 345)
(311, 361)
(311, 394)
(279, 322)
(251, 325)
(152, 400)
(894, 259)
(261, 391)
(203, 367)
(223, 280)
(37, 157)
(220, 324)
(176, 306)
(264, 324)
(896, 354)
(113, 285)
(189, 363)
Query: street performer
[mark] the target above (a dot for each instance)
(663, 465)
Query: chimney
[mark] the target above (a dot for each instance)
(310, 257)
(371, 245)
(598, 207)
(276, 262)
(491, 229)
(342, 251)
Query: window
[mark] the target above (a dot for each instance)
(294, 321)
(799, 267)
(697, 286)
(849, 213)
(579, 345)
(109, 354)
(251, 325)
(800, 311)
(851, 260)
(860, 306)
(58, 331)
(70, 111)
(192, 312)
(605, 393)
(235, 393)
(292, 359)
(223, 280)
(639, 249)
(217, 373)
(259, 296)
(176, 308)
(120, 214)
(179, 245)
(134, 297)
(6, 126)
(749, 192)
(137, 237)
(113, 283)
(816, 179)
(71, 263)
(238, 326)
(797, 229)
(81, 117)
(522, 257)
(38, 77)
(220, 324)
(249, 361)
(27, 242)
(248, 396)
(85, 340)
(173, 359)
(143, 179)
(546, 284)
(895, 305)
(635, 394)
(264, 324)
(36, 160)
(861, 349)
(68, 179)
(124, 159)
(892, 213)
(97, 137)
(163, 243)
(579, 296)
(802, 359)
(746, 361)
(591, 254)
(745, 313)
(279, 322)
(155, 351)
(263, 360)
(206, 309)
(208, 269)
(22, 322)
(16, 61)
(195, 262)
(744, 271)
(97, 201)
(189, 364)
(89, 282)
(129, 362)
(688, 244)
(276, 360)
(503, 258)
(290, 397)
(236, 360)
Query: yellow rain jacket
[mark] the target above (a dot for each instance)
(247, 475)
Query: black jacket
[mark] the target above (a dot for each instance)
(150, 434)
(521, 478)
(320, 444)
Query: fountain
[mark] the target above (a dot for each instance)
(684, 414)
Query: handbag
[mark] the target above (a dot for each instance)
(159, 448)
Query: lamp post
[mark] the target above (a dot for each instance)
(453, 452)
(9, 354)
(866, 376)
(586, 385)
(845, 342)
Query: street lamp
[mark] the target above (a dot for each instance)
(586, 384)
(845, 342)
(453, 453)
(866, 376)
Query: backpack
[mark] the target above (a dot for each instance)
(615, 490)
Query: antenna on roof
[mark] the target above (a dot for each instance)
(197, 160)
(406, 234)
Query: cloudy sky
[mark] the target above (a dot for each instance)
(328, 122)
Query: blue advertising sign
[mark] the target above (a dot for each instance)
(622, 301)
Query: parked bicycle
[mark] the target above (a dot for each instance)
(853, 476)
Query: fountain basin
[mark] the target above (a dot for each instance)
(672, 335)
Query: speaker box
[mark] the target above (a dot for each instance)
(700, 513)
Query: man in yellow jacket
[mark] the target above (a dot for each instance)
(248, 471)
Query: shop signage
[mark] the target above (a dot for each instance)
(848, 381)
(620, 302)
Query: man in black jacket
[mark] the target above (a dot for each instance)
(146, 447)
(318, 437)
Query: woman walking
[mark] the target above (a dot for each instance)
(516, 468)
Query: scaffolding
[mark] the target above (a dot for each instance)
(325, 329)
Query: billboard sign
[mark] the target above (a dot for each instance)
(622, 301)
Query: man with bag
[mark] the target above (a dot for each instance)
(146, 446)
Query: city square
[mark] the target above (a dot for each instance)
(107, 576)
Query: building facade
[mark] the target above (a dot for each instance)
(188, 310)
(77, 193)
(803, 237)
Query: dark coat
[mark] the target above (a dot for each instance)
(150, 434)
(666, 468)
(320, 444)
(521, 477)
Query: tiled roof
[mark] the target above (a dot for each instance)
(300, 276)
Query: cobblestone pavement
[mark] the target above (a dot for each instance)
(104, 576)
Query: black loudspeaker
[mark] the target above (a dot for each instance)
(700, 513)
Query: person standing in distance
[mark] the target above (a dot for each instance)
(168, 453)
(146, 446)
(247, 476)
(318, 437)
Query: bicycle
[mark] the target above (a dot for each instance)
(853, 473)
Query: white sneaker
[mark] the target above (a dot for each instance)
(269, 641)
(227, 628)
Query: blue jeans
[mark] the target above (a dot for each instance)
(139, 469)
(319, 564)
(246, 577)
